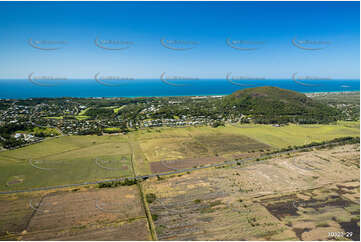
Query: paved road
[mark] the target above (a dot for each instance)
(157, 174)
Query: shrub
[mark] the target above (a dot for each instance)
(150, 197)
(125, 182)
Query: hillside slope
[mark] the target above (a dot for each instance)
(273, 105)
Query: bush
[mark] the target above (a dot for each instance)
(125, 182)
(217, 124)
(150, 197)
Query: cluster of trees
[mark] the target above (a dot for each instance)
(12, 142)
(100, 112)
(270, 105)
(217, 123)
(125, 182)
(7, 130)
(90, 132)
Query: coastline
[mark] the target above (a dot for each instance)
(24, 89)
(326, 93)
(308, 94)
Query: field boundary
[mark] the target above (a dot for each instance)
(151, 225)
(143, 177)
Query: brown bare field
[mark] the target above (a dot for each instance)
(172, 165)
(15, 213)
(292, 197)
(197, 146)
(313, 213)
(300, 196)
(85, 214)
(192, 146)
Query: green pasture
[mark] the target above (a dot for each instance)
(75, 159)
(65, 160)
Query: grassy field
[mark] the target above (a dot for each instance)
(280, 137)
(83, 111)
(75, 159)
(277, 137)
(192, 142)
(116, 110)
(65, 160)
(37, 130)
(302, 196)
(82, 117)
(112, 129)
(60, 117)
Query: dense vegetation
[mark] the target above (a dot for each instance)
(275, 105)
(125, 182)
(347, 103)
(6, 140)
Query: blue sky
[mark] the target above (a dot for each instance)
(273, 24)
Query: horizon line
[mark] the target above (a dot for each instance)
(203, 78)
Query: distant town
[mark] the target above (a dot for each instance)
(29, 121)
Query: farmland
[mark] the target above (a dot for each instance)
(297, 197)
(171, 144)
(65, 160)
(294, 196)
(76, 159)
(105, 214)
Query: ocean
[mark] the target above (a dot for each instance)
(22, 89)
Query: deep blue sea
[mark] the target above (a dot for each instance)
(21, 89)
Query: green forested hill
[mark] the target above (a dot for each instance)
(274, 105)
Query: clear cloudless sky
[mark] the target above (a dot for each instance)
(207, 23)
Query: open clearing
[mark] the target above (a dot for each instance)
(65, 160)
(78, 214)
(76, 159)
(175, 147)
(303, 196)
(300, 196)
(197, 146)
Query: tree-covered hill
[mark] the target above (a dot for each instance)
(275, 105)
